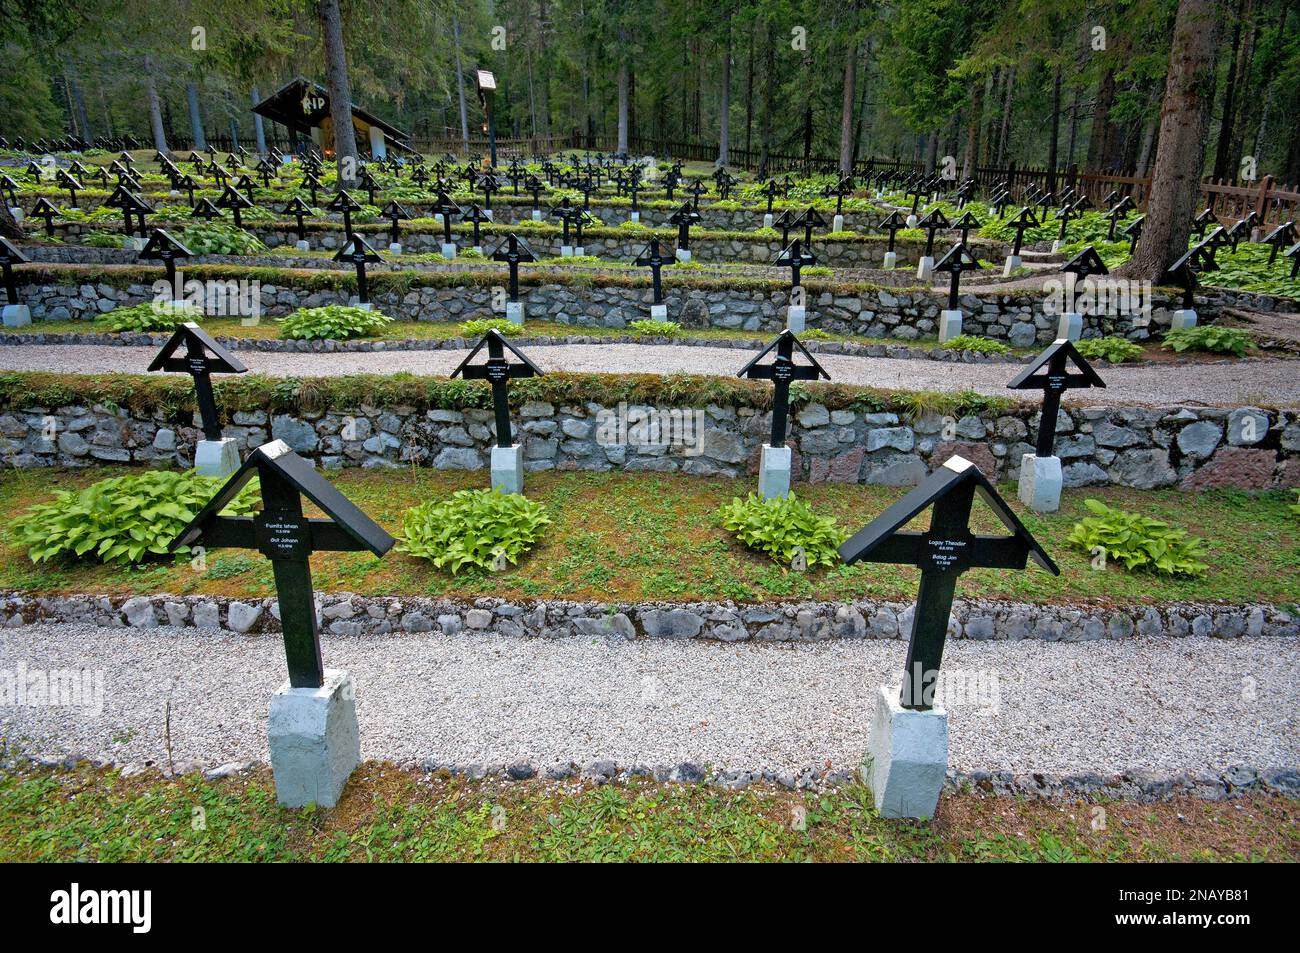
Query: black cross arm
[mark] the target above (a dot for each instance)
(1063, 350)
(220, 361)
(988, 552)
(753, 364)
(465, 367)
(237, 532)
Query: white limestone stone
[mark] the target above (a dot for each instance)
(1182, 318)
(837, 224)
(659, 312)
(314, 739)
(217, 458)
(1012, 263)
(683, 254)
(515, 312)
(949, 325)
(891, 260)
(774, 472)
(795, 317)
(17, 315)
(302, 245)
(906, 757)
(449, 250)
(1070, 326)
(925, 267)
(1040, 483)
(508, 469)
(395, 248)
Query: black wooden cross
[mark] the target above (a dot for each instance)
(1294, 254)
(444, 206)
(892, 223)
(1204, 221)
(72, 185)
(313, 185)
(10, 256)
(1284, 234)
(795, 257)
(1083, 266)
(651, 257)
(489, 185)
(498, 371)
(1115, 213)
(358, 251)
(285, 536)
(187, 183)
(781, 372)
(770, 191)
(534, 186)
(366, 180)
(512, 251)
(1022, 220)
(786, 221)
(1134, 232)
(44, 209)
(162, 247)
(395, 213)
(1048, 372)
(964, 224)
(234, 200)
(934, 221)
(346, 205)
(10, 187)
(696, 189)
(958, 260)
(202, 358)
(809, 220)
(475, 215)
(297, 208)
(943, 552)
(684, 218)
(205, 209)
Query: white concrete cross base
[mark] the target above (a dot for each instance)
(478, 250)
(1012, 263)
(949, 325)
(302, 245)
(658, 312)
(537, 215)
(925, 267)
(132, 243)
(911, 221)
(1070, 326)
(315, 744)
(1182, 318)
(795, 317)
(449, 251)
(508, 469)
(579, 251)
(515, 312)
(636, 216)
(216, 458)
(683, 254)
(891, 260)
(566, 251)
(395, 248)
(17, 315)
(1056, 245)
(767, 219)
(774, 472)
(837, 224)
(487, 213)
(1040, 483)
(907, 757)
(17, 213)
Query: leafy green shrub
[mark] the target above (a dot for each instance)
(149, 316)
(101, 240)
(1117, 350)
(781, 528)
(219, 238)
(1209, 337)
(336, 322)
(973, 342)
(126, 519)
(646, 328)
(814, 334)
(477, 327)
(1138, 541)
(483, 528)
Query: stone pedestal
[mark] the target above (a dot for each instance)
(515, 312)
(173, 193)
(1040, 483)
(911, 221)
(907, 757)
(489, 214)
(1056, 245)
(449, 251)
(17, 315)
(1012, 263)
(949, 325)
(579, 251)
(683, 254)
(1182, 318)
(837, 224)
(478, 250)
(925, 267)
(1070, 326)
(566, 251)
(508, 469)
(315, 744)
(17, 213)
(132, 243)
(395, 248)
(767, 219)
(636, 216)
(795, 317)
(774, 472)
(216, 458)
(891, 260)
(302, 245)
(537, 215)
(658, 312)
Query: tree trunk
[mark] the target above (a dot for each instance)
(931, 152)
(79, 104)
(1099, 136)
(973, 131)
(749, 98)
(460, 85)
(1148, 140)
(724, 108)
(1184, 118)
(155, 107)
(1223, 164)
(622, 93)
(259, 130)
(765, 124)
(846, 106)
(1053, 144)
(340, 90)
(1004, 133)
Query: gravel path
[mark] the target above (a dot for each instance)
(1162, 706)
(1228, 384)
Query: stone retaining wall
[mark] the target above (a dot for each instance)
(1017, 318)
(350, 615)
(1099, 445)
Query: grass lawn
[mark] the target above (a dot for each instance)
(648, 536)
(387, 814)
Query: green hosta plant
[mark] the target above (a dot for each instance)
(1137, 541)
(101, 240)
(646, 328)
(126, 519)
(1117, 350)
(477, 327)
(336, 322)
(814, 334)
(219, 238)
(1209, 337)
(150, 316)
(483, 528)
(973, 342)
(782, 528)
